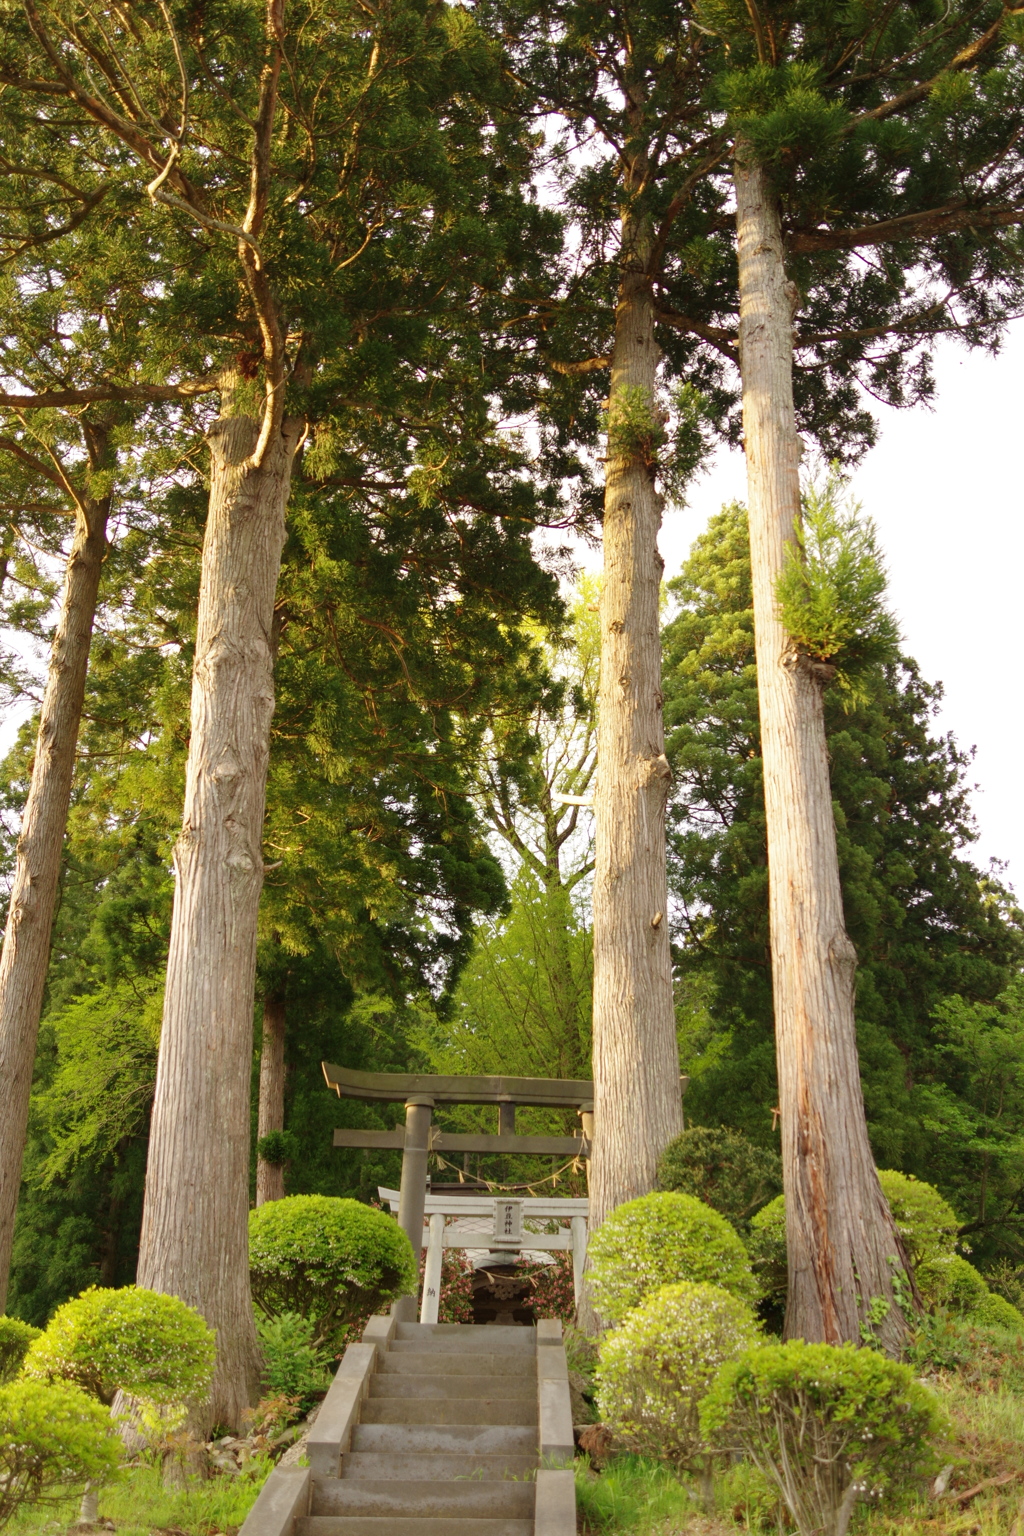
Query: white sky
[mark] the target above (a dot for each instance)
(946, 490)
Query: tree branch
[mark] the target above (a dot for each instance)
(963, 60)
(49, 399)
(909, 226)
(724, 341)
(590, 365)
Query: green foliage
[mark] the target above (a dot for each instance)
(103, 1085)
(926, 1222)
(658, 1240)
(766, 1244)
(523, 1003)
(142, 1500)
(329, 1260)
(722, 1168)
(141, 1342)
(15, 1338)
(277, 1148)
(636, 429)
(691, 439)
(832, 590)
(976, 1099)
(53, 1441)
(994, 1311)
(950, 1281)
(292, 1364)
(634, 1495)
(658, 1364)
(823, 1424)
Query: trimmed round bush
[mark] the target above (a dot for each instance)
(659, 1240)
(657, 1366)
(149, 1345)
(926, 1222)
(951, 1282)
(994, 1311)
(53, 1441)
(723, 1168)
(330, 1260)
(823, 1424)
(15, 1338)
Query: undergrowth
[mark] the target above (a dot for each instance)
(979, 1379)
(139, 1504)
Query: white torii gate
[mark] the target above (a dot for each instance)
(507, 1236)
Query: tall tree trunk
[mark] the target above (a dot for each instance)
(26, 948)
(270, 1176)
(194, 1240)
(637, 1108)
(842, 1243)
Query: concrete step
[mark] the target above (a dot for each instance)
(453, 1410)
(463, 1335)
(386, 1466)
(473, 1362)
(433, 1499)
(446, 1439)
(485, 1341)
(400, 1384)
(409, 1525)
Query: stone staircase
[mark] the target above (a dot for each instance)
(435, 1430)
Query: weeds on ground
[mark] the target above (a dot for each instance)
(632, 1494)
(138, 1504)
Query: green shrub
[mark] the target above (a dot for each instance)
(292, 1364)
(994, 1311)
(15, 1338)
(951, 1282)
(658, 1240)
(766, 1244)
(53, 1441)
(926, 1222)
(329, 1260)
(722, 1168)
(132, 1340)
(824, 1424)
(658, 1364)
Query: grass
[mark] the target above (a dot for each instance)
(139, 1504)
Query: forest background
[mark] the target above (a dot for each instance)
(426, 901)
(396, 936)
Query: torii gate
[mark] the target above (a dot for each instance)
(420, 1092)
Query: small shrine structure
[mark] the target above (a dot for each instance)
(421, 1093)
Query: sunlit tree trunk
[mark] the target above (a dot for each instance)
(194, 1230)
(637, 1106)
(26, 947)
(842, 1244)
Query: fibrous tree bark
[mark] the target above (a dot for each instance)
(843, 1247)
(637, 1106)
(197, 1176)
(270, 1176)
(26, 947)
